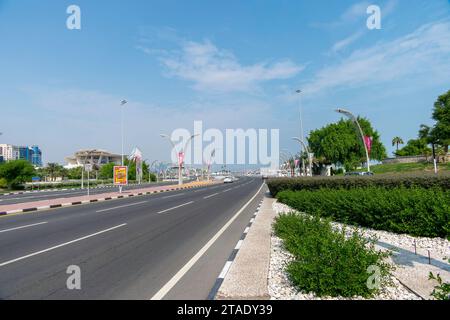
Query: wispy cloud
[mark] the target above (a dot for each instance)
(216, 70)
(342, 44)
(423, 53)
(353, 13)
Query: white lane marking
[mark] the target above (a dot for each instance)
(181, 205)
(23, 227)
(119, 207)
(174, 280)
(238, 245)
(210, 196)
(174, 195)
(226, 190)
(225, 269)
(59, 245)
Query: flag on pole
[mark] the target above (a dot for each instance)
(136, 156)
(368, 141)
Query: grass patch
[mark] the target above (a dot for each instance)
(407, 167)
(326, 262)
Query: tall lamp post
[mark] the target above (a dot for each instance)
(150, 169)
(180, 154)
(352, 117)
(305, 147)
(122, 104)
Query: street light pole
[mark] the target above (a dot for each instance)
(302, 136)
(180, 163)
(309, 153)
(352, 117)
(122, 104)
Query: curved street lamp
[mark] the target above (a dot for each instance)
(180, 154)
(352, 117)
(303, 144)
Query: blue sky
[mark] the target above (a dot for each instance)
(232, 64)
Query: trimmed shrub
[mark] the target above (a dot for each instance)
(389, 181)
(415, 211)
(326, 262)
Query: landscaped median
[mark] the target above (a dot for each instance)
(359, 237)
(71, 201)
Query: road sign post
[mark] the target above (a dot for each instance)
(88, 169)
(120, 176)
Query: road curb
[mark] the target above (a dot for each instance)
(245, 274)
(234, 253)
(76, 203)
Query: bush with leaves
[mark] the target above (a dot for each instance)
(326, 262)
(388, 181)
(415, 211)
(16, 173)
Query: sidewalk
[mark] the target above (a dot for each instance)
(247, 278)
(71, 201)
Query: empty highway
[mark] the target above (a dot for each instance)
(135, 248)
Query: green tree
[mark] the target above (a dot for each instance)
(341, 143)
(397, 141)
(53, 170)
(17, 172)
(107, 171)
(441, 114)
(74, 173)
(415, 147)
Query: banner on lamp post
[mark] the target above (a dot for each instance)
(180, 158)
(368, 141)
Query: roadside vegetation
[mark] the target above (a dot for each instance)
(415, 211)
(388, 181)
(326, 262)
(407, 168)
(17, 175)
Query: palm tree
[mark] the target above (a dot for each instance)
(397, 141)
(52, 169)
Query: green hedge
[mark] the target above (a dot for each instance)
(415, 211)
(390, 181)
(328, 263)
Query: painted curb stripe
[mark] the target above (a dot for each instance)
(220, 279)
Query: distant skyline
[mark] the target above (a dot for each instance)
(231, 64)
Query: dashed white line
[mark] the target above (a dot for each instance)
(23, 227)
(60, 245)
(174, 195)
(181, 205)
(174, 280)
(120, 207)
(210, 196)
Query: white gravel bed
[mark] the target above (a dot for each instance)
(280, 287)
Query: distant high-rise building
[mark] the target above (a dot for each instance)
(36, 157)
(32, 154)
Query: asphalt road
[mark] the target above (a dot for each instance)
(128, 248)
(46, 195)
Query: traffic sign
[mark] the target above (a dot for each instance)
(120, 175)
